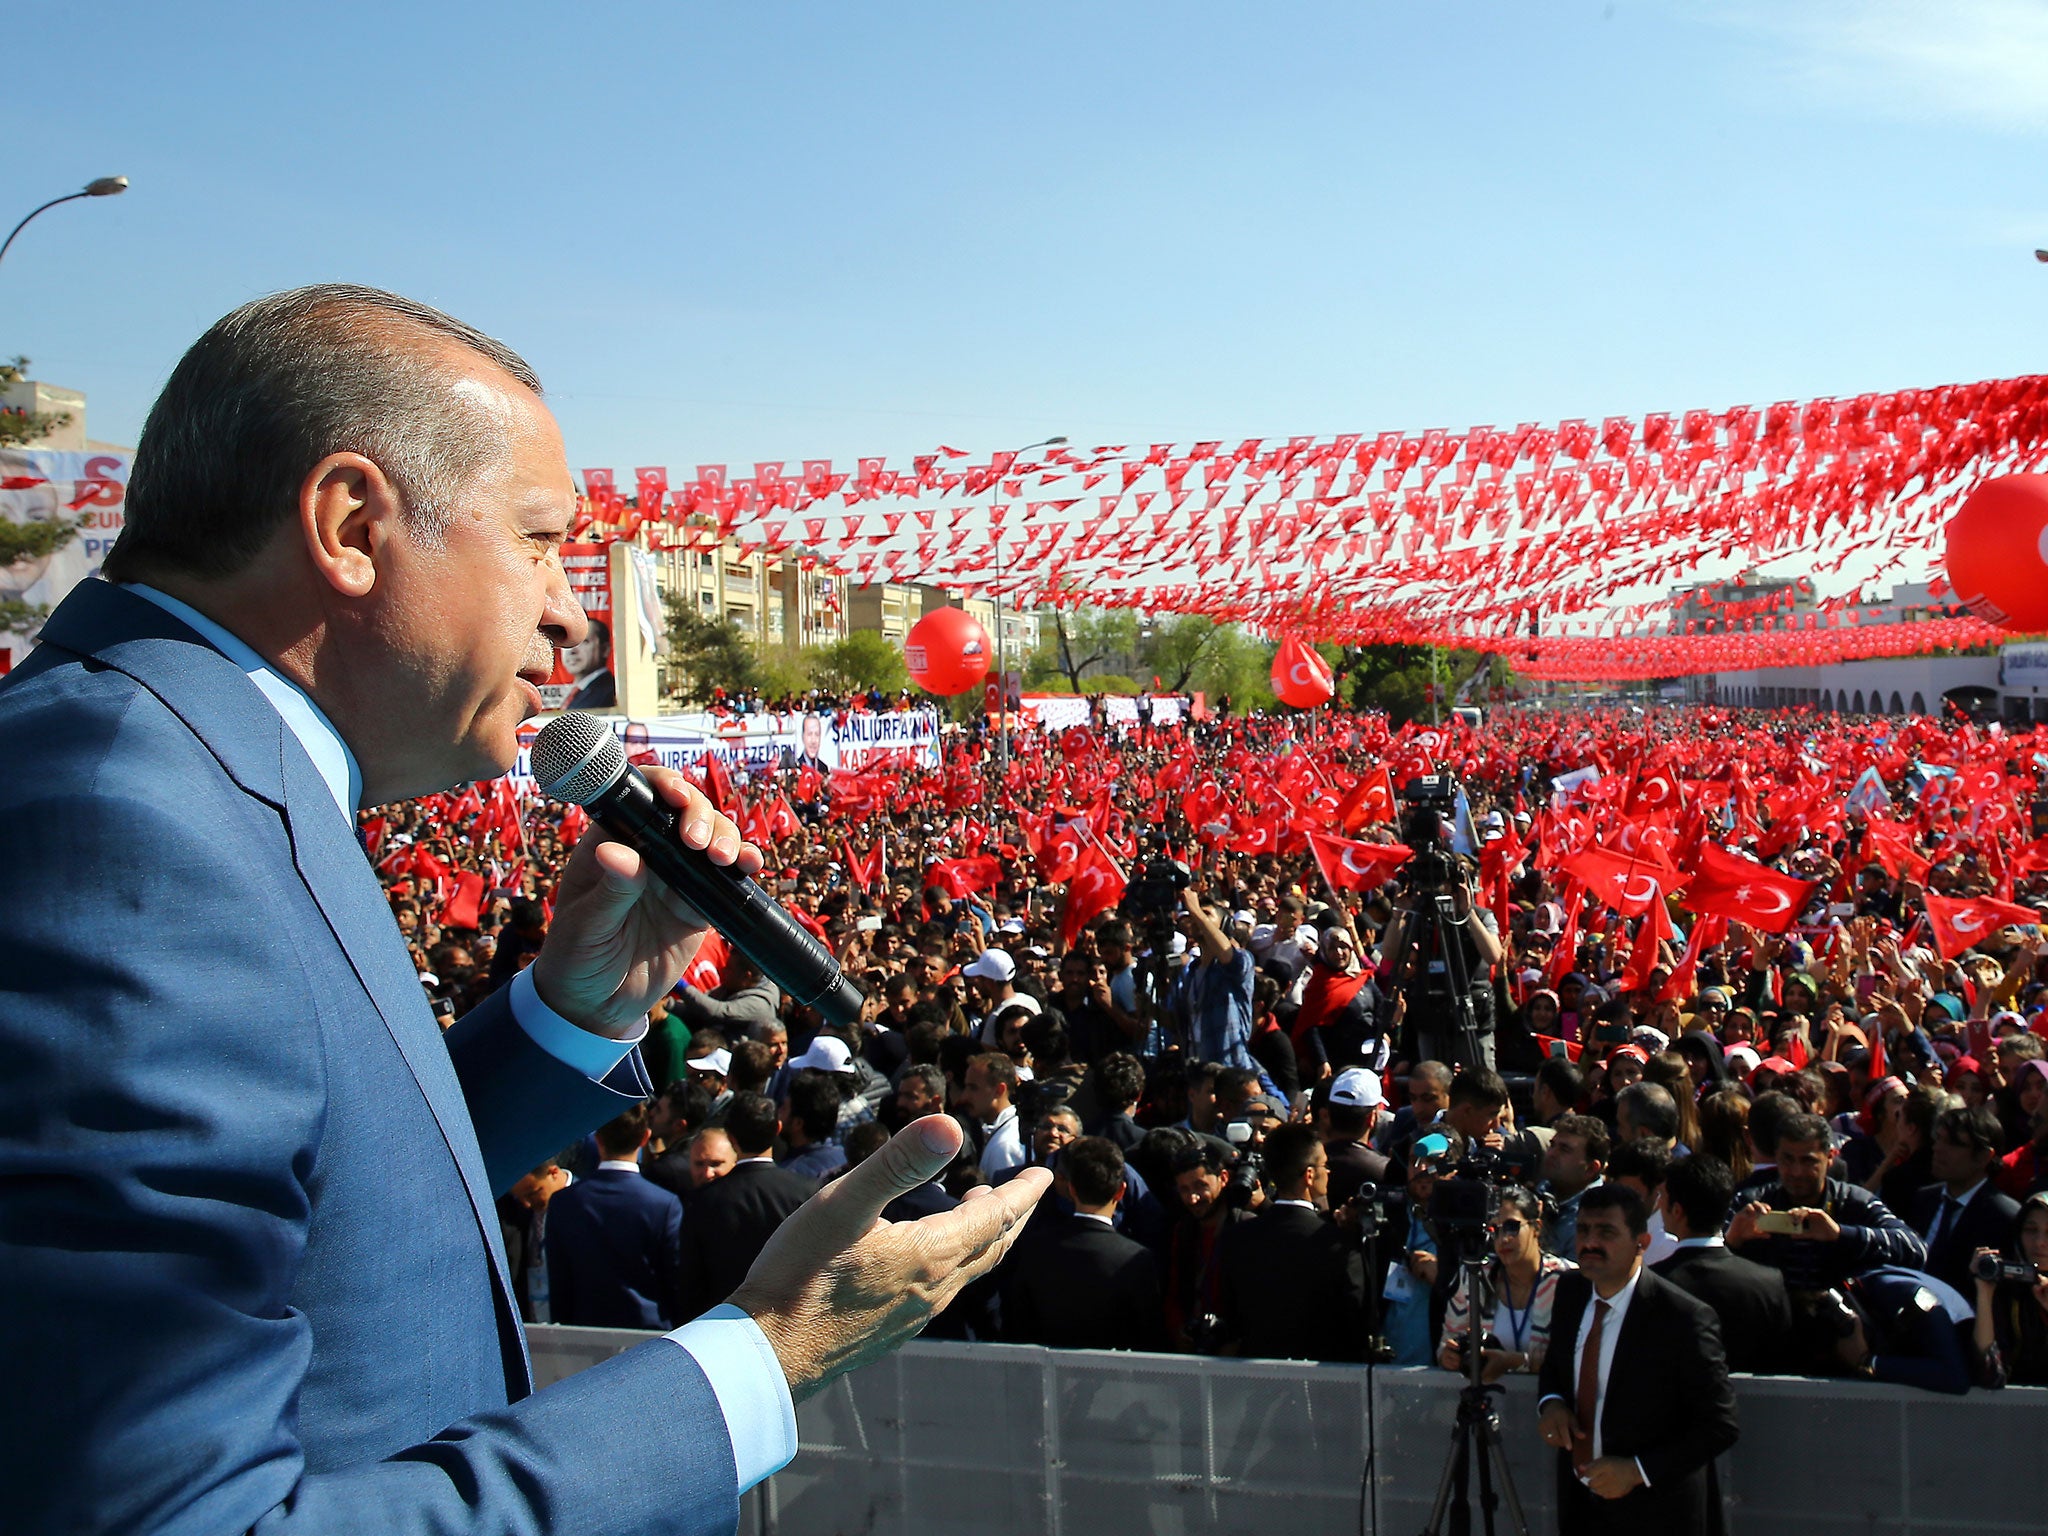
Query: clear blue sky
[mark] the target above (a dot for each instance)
(733, 232)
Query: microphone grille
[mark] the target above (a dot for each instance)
(576, 758)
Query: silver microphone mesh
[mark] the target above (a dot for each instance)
(576, 758)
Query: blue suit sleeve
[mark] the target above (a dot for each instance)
(162, 1095)
(527, 1103)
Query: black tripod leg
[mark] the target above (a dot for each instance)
(1453, 1465)
(1494, 1453)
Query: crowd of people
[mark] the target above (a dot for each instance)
(1270, 1015)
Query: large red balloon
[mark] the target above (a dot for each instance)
(947, 651)
(1300, 675)
(1998, 552)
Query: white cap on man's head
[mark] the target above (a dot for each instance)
(992, 965)
(1358, 1088)
(718, 1061)
(828, 1053)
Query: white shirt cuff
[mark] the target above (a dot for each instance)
(570, 1044)
(746, 1378)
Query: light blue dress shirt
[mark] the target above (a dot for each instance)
(728, 1345)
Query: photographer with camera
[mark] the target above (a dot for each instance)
(1202, 1177)
(1415, 1292)
(1293, 1283)
(2011, 1334)
(1515, 1294)
(1215, 993)
(1440, 947)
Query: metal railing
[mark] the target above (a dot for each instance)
(993, 1439)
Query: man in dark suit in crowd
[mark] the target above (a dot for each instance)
(613, 1239)
(1078, 1283)
(1964, 1212)
(1292, 1283)
(1635, 1393)
(1350, 1113)
(732, 1218)
(810, 1124)
(1748, 1298)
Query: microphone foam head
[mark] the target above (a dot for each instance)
(576, 758)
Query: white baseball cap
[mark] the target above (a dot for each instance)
(1358, 1088)
(828, 1053)
(718, 1061)
(992, 965)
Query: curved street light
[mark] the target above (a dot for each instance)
(102, 186)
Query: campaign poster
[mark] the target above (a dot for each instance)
(43, 485)
(584, 678)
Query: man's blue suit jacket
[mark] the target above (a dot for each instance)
(614, 1252)
(250, 1273)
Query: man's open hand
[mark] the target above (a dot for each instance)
(837, 1286)
(620, 938)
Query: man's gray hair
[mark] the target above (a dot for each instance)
(933, 1078)
(275, 387)
(1651, 1109)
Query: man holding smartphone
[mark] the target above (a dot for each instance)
(1819, 1231)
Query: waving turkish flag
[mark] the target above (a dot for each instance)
(1630, 883)
(864, 872)
(708, 967)
(1350, 866)
(1960, 921)
(962, 877)
(1368, 801)
(1096, 886)
(1728, 885)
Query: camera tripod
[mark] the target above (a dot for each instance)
(1432, 929)
(1475, 1436)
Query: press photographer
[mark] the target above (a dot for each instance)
(1441, 946)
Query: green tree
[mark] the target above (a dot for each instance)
(713, 653)
(1396, 678)
(1177, 647)
(786, 670)
(863, 660)
(36, 540)
(1088, 637)
(1238, 666)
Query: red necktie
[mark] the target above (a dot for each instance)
(1589, 1390)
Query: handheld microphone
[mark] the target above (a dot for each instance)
(577, 758)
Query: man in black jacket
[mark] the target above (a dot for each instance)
(1635, 1393)
(1964, 1211)
(1748, 1298)
(732, 1218)
(1077, 1283)
(1843, 1229)
(1293, 1284)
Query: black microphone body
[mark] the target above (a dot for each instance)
(753, 922)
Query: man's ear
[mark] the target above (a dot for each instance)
(349, 511)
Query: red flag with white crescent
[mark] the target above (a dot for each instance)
(1350, 866)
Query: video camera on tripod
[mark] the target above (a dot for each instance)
(1432, 966)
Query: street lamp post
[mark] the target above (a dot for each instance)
(1002, 649)
(104, 186)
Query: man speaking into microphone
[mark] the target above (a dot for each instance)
(249, 1263)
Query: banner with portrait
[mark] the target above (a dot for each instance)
(584, 676)
(752, 744)
(39, 485)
